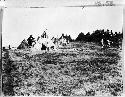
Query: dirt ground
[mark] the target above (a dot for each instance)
(79, 69)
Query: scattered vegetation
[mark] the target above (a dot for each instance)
(87, 70)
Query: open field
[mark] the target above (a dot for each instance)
(79, 69)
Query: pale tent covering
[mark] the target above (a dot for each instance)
(43, 42)
(23, 45)
(63, 40)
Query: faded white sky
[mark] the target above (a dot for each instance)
(19, 23)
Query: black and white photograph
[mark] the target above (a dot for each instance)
(62, 47)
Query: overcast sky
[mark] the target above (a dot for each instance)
(19, 23)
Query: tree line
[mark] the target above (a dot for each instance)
(97, 35)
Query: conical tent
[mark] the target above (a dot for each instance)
(23, 45)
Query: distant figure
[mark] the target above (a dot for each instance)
(38, 38)
(44, 35)
(30, 40)
(102, 42)
(109, 43)
(9, 47)
(43, 47)
(4, 48)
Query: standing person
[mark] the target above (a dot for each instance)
(30, 40)
(9, 47)
(102, 43)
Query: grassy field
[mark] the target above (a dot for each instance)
(79, 69)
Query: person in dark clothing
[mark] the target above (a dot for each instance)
(9, 47)
(43, 47)
(30, 40)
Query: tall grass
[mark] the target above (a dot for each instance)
(64, 73)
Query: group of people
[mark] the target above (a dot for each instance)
(41, 43)
(104, 38)
(44, 42)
